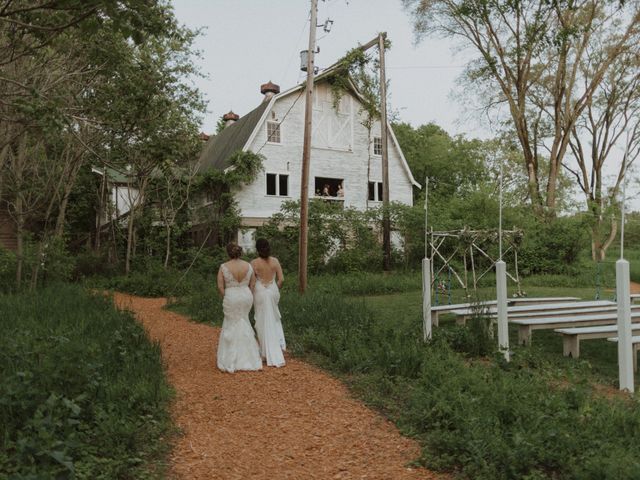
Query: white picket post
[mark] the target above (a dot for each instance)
(625, 347)
(426, 299)
(503, 321)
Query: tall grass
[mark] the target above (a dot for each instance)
(485, 419)
(83, 393)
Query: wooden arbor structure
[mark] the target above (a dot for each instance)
(458, 253)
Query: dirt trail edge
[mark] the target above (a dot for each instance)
(291, 423)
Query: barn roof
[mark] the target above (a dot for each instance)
(232, 138)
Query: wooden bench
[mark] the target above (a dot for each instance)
(571, 337)
(526, 327)
(635, 342)
(568, 313)
(465, 313)
(438, 309)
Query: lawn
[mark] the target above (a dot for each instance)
(598, 358)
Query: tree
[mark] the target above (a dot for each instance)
(214, 202)
(611, 119)
(81, 82)
(528, 64)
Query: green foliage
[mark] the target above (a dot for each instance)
(476, 338)
(221, 212)
(340, 239)
(83, 390)
(485, 419)
(7, 270)
(553, 247)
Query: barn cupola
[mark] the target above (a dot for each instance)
(230, 118)
(269, 89)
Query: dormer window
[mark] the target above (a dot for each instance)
(273, 132)
(377, 145)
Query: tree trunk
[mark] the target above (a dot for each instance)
(101, 208)
(19, 240)
(127, 259)
(68, 187)
(168, 247)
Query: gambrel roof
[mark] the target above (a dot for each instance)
(232, 138)
(240, 134)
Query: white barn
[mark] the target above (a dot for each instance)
(346, 161)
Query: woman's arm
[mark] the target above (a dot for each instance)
(252, 282)
(220, 282)
(279, 274)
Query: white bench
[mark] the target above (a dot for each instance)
(634, 297)
(526, 327)
(635, 342)
(569, 313)
(436, 310)
(571, 337)
(465, 313)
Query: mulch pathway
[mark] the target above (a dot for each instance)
(296, 422)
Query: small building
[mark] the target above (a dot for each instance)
(346, 157)
(117, 194)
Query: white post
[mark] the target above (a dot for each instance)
(426, 299)
(623, 295)
(426, 273)
(625, 348)
(503, 321)
(501, 289)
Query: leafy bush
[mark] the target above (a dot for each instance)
(553, 247)
(485, 419)
(7, 270)
(83, 390)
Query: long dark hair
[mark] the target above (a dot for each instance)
(263, 248)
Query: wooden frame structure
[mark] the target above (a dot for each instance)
(469, 244)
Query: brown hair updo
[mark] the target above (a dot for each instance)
(263, 248)
(234, 250)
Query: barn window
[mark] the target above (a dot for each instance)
(329, 187)
(375, 191)
(273, 132)
(277, 184)
(377, 145)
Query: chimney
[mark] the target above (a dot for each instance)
(269, 89)
(230, 118)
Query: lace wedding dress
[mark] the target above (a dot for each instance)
(237, 348)
(268, 323)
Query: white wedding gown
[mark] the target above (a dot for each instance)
(268, 323)
(237, 348)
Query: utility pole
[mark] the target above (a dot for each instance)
(306, 153)
(386, 221)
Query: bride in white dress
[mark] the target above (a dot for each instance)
(237, 348)
(269, 279)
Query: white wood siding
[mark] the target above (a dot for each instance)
(341, 148)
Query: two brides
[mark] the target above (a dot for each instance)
(242, 285)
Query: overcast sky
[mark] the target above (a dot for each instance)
(248, 42)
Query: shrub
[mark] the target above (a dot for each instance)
(553, 247)
(83, 390)
(487, 419)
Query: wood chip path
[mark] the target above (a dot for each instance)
(296, 422)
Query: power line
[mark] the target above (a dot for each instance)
(434, 67)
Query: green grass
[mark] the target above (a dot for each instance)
(82, 390)
(533, 418)
(538, 417)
